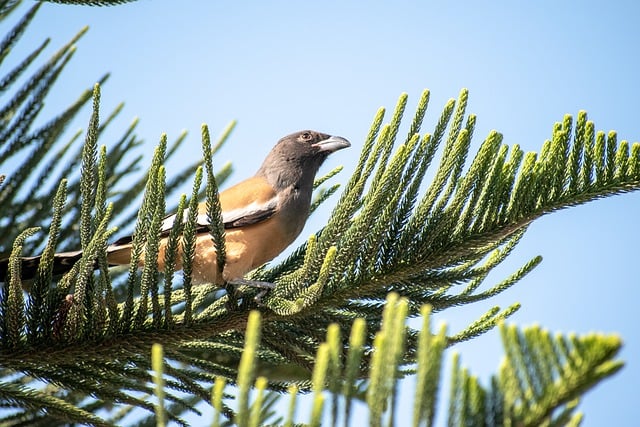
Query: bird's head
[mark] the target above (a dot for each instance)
(297, 157)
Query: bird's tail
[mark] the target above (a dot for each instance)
(117, 254)
(62, 262)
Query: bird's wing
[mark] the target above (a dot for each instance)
(246, 203)
(250, 214)
(249, 202)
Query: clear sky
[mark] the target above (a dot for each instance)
(278, 67)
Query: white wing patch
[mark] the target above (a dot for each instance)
(167, 222)
(250, 214)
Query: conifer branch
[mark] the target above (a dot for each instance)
(214, 210)
(189, 246)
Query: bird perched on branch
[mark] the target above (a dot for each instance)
(262, 215)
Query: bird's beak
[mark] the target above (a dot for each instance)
(333, 143)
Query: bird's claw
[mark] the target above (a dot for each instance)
(232, 290)
(252, 283)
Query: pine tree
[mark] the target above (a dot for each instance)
(77, 348)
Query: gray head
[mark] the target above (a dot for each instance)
(297, 157)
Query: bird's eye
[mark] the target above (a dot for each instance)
(306, 136)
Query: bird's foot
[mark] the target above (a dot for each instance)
(264, 287)
(251, 283)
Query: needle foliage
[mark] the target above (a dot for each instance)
(76, 348)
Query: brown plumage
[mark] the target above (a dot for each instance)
(262, 215)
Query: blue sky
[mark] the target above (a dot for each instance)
(278, 67)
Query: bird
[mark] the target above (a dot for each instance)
(262, 216)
